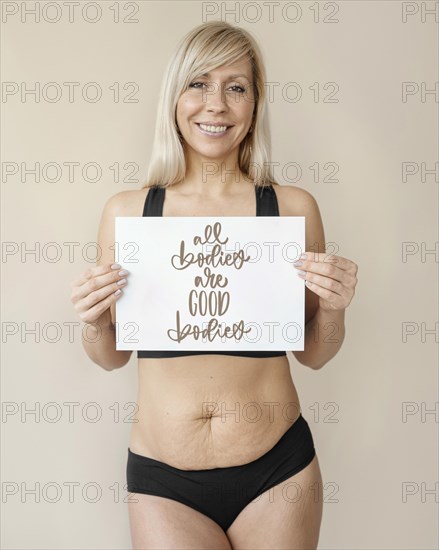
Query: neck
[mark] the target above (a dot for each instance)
(213, 176)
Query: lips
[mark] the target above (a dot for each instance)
(211, 133)
(214, 124)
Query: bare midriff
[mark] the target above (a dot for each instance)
(212, 411)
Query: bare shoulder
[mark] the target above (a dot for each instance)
(294, 201)
(126, 203)
(122, 204)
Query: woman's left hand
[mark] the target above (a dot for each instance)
(331, 277)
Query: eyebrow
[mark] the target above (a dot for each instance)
(230, 76)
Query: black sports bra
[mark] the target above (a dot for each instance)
(266, 205)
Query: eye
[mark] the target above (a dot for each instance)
(239, 89)
(193, 84)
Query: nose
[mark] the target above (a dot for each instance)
(215, 98)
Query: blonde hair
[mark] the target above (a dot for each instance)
(203, 49)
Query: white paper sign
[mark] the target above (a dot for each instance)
(210, 283)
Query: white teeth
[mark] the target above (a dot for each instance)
(213, 129)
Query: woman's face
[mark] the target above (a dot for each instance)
(225, 96)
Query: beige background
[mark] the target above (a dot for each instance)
(370, 453)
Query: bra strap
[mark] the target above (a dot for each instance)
(266, 202)
(154, 201)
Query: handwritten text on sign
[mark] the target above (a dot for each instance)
(210, 283)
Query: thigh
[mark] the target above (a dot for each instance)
(286, 516)
(162, 523)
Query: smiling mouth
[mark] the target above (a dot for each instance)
(213, 130)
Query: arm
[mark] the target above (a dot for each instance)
(324, 325)
(324, 335)
(103, 351)
(99, 340)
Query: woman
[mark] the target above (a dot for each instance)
(206, 471)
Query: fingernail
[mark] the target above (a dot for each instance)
(297, 264)
(121, 282)
(118, 292)
(123, 272)
(115, 266)
(301, 273)
(303, 256)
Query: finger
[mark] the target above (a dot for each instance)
(94, 272)
(324, 282)
(332, 259)
(103, 287)
(92, 284)
(324, 293)
(328, 270)
(90, 315)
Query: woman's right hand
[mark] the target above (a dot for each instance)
(96, 290)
